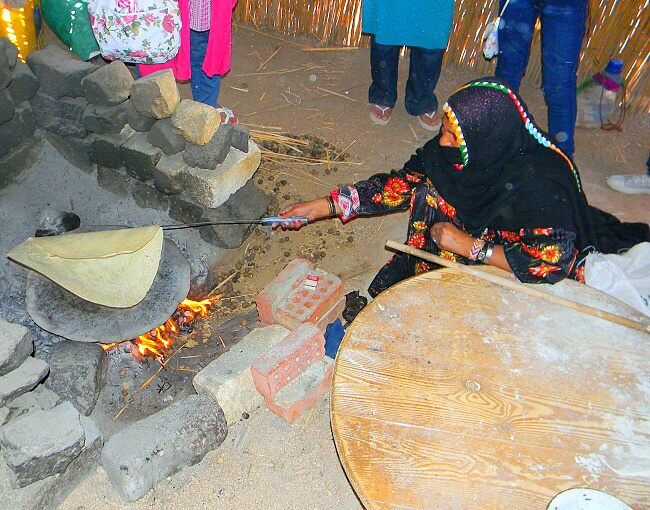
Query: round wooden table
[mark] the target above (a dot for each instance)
(450, 392)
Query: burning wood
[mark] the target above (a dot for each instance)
(157, 342)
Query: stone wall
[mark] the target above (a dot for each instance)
(170, 155)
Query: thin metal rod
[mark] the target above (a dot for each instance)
(180, 226)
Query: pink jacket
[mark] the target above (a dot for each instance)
(217, 57)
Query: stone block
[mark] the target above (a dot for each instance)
(62, 116)
(156, 95)
(58, 72)
(277, 290)
(213, 187)
(139, 157)
(24, 83)
(105, 149)
(39, 399)
(10, 51)
(301, 393)
(12, 133)
(240, 136)
(7, 106)
(196, 122)
(26, 117)
(247, 202)
(5, 63)
(41, 443)
(146, 196)
(185, 211)
(137, 121)
(163, 136)
(21, 380)
(142, 455)
(228, 378)
(52, 491)
(209, 156)
(105, 119)
(168, 174)
(108, 85)
(15, 346)
(77, 373)
(114, 180)
(74, 149)
(281, 364)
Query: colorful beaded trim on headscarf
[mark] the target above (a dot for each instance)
(458, 132)
(528, 123)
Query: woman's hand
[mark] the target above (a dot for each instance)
(313, 210)
(450, 238)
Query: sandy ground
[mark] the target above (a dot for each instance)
(325, 94)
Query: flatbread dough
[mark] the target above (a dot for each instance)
(586, 499)
(114, 268)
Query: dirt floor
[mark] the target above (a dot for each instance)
(324, 93)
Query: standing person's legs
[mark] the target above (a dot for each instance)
(424, 71)
(515, 35)
(204, 89)
(562, 29)
(384, 61)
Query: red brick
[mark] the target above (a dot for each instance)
(285, 361)
(279, 288)
(306, 305)
(336, 312)
(293, 400)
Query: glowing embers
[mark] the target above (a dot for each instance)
(158, 342)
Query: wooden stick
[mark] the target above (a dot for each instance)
(284, 40)
(521, 287)
(339, 48)
(269, 58)
(340, 95)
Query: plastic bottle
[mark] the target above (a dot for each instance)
(597, 98)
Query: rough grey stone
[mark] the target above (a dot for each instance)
(184, 210)
(142, 455)
(105, 119)
(5, 413)
(21, 380)
(10, 51)
(247, 202)
(240, 136)
(63, 116)
(41, 443)
(12, 133)
(114, 180)
(139, 157)
(26, 116)
(109, 85)
(167, 176)
(5, 70)
(24, 83)
(15, 346)
(146, 196)
(105, 150)
(196, 122)
(7, 106)
(74, 149)
(164, 136)
(211, 154)
(58, 72)
(137, 121)
(39, 399)
(77, 373)
(52, 491)
(156, 95)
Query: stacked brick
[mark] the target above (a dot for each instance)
(294, 373)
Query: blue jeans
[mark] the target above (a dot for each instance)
(424, 71)
(204, 89)
(563, 25)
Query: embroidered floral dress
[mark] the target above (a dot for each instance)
(535, 255)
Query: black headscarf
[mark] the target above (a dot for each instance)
(511, 176)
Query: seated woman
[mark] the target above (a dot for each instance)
(490, 188)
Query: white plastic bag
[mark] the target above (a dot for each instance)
(138, 31)
(491, 36)
(626, 276)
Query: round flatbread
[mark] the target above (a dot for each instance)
(114, 268)
(586, 499)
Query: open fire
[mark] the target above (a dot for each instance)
(157, 342)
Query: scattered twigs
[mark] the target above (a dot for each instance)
(268, 59)
(265, 34)
(344, 150)
(338, 48)
(339, 95)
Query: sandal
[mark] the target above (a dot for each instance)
(227, 116)
(380, 114)
(431, 121)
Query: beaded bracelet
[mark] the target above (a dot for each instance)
(476, 248)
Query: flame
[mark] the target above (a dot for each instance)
(157, 342)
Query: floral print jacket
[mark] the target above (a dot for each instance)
(535, 255)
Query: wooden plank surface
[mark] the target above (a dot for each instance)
(451, 392)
